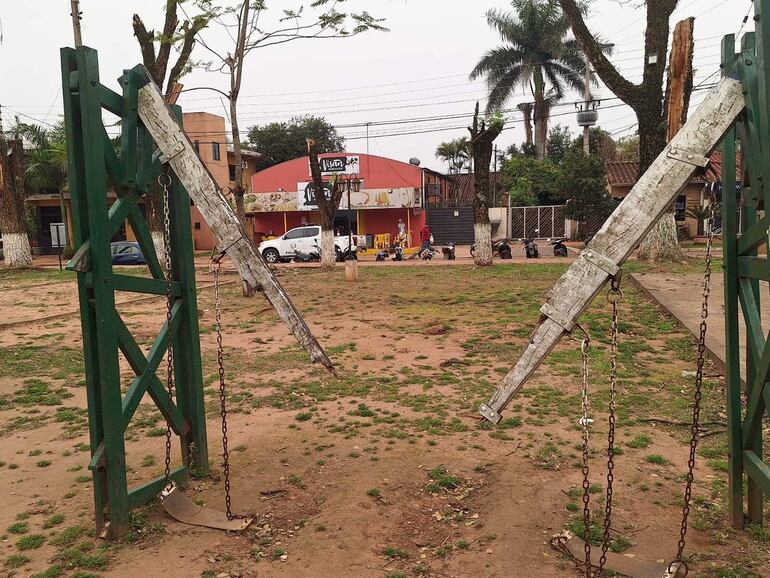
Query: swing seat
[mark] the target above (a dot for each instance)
(183, 509)
(630, 566)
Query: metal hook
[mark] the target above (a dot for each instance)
(164, 182)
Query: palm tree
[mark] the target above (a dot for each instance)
(456, 153)
(537, 55)
(45, 167)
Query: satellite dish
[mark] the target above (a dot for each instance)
(414, 161)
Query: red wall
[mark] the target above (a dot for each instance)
(377, 173)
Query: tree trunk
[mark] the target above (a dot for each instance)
(482, 138)
(661, 243)
(328, 253)
(16, 248)
(526, 110)
(540, 115)
(327, 208)
(153, 204)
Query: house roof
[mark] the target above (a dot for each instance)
(245, 153)
(464, 182)
(625, 173)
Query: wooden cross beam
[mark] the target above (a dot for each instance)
(178, 151)
(626, 227)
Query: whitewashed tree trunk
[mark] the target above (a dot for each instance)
(159, 243)
(482, 236)
(16, 250)
(661, 243)
(328, 254)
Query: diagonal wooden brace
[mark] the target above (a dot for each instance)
(211, 202)
(622, 232)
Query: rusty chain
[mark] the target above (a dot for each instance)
(215, 268)
(164, 180)
(584, 346)
(695, 428)
(614, 296)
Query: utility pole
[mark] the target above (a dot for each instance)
(76, 15)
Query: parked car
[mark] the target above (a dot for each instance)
(301, 240)
(127, 253)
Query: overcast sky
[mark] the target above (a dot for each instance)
(419, 69)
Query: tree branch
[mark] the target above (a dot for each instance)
(616, 82)
(146, 46)
(188, 42)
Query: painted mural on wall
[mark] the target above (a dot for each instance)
(303, 199)
(271, 202)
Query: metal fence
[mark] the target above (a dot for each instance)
(538, 222)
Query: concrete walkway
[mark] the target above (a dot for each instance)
(682, 296)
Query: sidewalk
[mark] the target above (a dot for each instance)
(682, 296)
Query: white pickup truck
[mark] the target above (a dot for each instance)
(303, 240)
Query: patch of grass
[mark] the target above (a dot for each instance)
(373, 492)
(363, 411)
(52, 521)
(396, 575)
(442, 479)
(295, 480)
(549, 457)
(758, 533)
(393, 552)
(304, 416)
(510, 423)
(18, 528)
(15, 561)
(68, 535)
(43, 463)
(620, 544)
(148, 460)
(640, 441)
(51, 572)
(30, 542)
(84, 556)
(656, 459)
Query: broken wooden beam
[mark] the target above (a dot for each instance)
(178, 151)
(624, 229)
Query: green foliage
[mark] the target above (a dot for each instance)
(559, 143)
(582, 183)
(30, 542)
(530, 181)
(536, 47)
(283, 141)
(456, 153)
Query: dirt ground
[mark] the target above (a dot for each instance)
(387, 471)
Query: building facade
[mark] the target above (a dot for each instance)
(281, 196)
(208, 134)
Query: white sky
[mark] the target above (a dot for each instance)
(418, 69)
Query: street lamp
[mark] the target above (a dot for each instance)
(354, 185)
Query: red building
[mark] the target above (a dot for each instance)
(390, 190)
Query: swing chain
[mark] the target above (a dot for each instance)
(614, 296)
(164, 180)
(695, 429)
(584, 346)
(215, 267)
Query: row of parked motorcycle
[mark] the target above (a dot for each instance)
(502, 248)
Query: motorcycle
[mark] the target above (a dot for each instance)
(501, 246)
(530, 248)
(427, 253)
(312, 256)
(559, 248)
(449, 251)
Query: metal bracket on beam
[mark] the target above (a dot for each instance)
(176, 148)
(605, 264)
(489, 413)
(555, 315)
(689, 157)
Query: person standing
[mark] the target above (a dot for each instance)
(425, 236)
(402, 233)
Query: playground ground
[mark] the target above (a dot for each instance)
(386, 471)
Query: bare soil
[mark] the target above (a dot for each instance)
(387, 471)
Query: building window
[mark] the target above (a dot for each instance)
(197, 147)
(215, 151)
(197, 225)
(232, 172)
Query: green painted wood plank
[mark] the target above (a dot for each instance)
(110, 100)
(757, 470)
(147, 492)
(754, 267)
(752, 238)
(138, 284)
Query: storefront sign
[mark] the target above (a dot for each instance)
(341, 164)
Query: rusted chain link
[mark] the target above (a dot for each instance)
(696, 406)
(164, 180)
